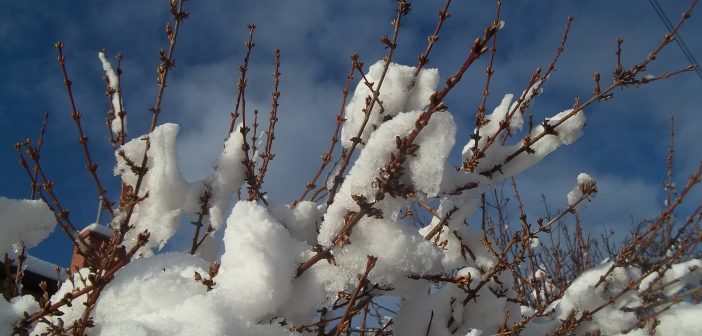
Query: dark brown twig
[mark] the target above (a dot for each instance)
(267, 155)
(327, 156)
(91, 166)
(344, 322)
(391, 45)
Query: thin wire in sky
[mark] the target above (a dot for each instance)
(678, 38)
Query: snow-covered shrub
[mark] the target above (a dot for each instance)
(324, 263)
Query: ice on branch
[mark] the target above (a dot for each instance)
(163, 188)
(400, 92)
(119, 123)
(26, 221)
(496, 163)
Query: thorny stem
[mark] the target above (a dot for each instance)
(82, 138)
(569, 209)
(530, 251)
(502, 264)
(323, 321)
(439, 227)
(19, 272)
(668, 185)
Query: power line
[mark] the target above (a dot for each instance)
(678, 38)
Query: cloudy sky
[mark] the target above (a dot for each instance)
(624, 145)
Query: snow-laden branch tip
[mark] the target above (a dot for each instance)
(119, 123)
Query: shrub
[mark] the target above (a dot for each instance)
(381, 223)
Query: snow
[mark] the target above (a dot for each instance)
(227, 178)
(674, 277)
(259, 261)
(158, 296)
(11, 312)
(397, 95)
(435, 142)
(163, 185)
(302, 220)
(582, 295)
(43, 268)
(37, 266)
(26, 221)
(400, 251)
(681, 319)
(69, 314)
(424, 174)
(496, 155)
(98, 228)
(576, 193)
(119, 124)
(145, 286)
(485, 312)
(257, 290)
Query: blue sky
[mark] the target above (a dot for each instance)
(624, 145)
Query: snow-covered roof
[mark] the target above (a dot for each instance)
(98, 228)
(43, 268)
(39, 267)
